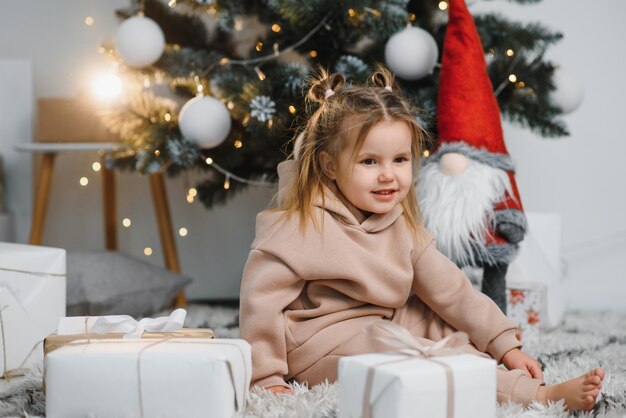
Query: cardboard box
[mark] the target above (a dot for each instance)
(70, 120)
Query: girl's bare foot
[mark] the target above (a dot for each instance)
(579, 393)
(279, 389)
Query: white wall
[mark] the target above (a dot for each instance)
(580, 177)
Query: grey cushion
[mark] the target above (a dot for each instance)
(112, 283)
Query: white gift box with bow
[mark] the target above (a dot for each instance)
(134, 377)
(32, 299)
(409, 384)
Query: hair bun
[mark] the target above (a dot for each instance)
(324, 82)
(383, 78)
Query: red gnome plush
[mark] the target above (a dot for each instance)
(467, 191)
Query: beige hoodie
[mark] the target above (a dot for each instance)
(304, 293)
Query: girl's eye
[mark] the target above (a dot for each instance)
(400, 159)
(368, 161)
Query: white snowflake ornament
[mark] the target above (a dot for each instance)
(262, 108)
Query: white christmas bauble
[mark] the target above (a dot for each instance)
(411, 53)
(205, 121)
(139, 41)
(568, 93)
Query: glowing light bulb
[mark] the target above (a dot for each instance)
(292, 109)
(147, 251)
(83, 181)
(126, 222)
(209, 160)
(259, 46)
(107, 86)
(512, 78)
(167, 117)
(193, 192)
(238, 144)
(89, 21)
(276, 28)
(189, 198)
(443, 5)
(259, 73)
(172, 3)
(426, 153)
(351, 12)
(224, 61)
(96, 166)
(182, 232)
(510, 52)
(313, 54)
(227, 183)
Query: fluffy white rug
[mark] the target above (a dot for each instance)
(585, 340)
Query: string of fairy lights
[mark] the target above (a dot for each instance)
(113, 86)
(126, 222)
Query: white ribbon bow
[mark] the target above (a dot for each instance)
(124, 324)
(402, 339)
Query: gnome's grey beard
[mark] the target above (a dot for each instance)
(458, 209)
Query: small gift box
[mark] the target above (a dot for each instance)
(431, 382)
(526, 304)
(32, 300)
(166, 373)
(539, 261)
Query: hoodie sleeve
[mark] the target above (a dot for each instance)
(440, 284)
(268, 286)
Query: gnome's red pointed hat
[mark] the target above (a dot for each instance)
(468, 115)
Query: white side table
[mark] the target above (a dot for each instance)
(49, 150)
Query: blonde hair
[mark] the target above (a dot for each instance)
(360, 107)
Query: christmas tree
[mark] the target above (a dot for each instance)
(195, 101)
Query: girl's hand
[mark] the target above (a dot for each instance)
(279, 389)
(516, 359)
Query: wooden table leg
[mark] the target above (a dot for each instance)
(164, 221)
(109, 208)
(41, 198)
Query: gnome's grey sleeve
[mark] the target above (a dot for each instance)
(511, 224)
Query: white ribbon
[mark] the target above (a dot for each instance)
(400, 338)
(124, 324)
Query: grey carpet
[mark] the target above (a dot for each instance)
(585, 340)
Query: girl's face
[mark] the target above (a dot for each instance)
(380, 176)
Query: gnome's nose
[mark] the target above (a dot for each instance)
(453, 163)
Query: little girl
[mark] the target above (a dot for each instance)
(346, 248)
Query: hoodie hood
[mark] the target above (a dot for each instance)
(334, 203)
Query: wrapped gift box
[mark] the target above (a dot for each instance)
(417, 386)
(526, 304)
(32, 299)
(539, 261)
(166, 377)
